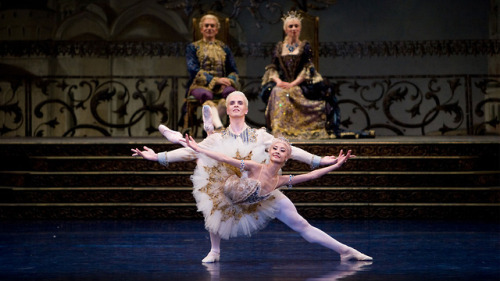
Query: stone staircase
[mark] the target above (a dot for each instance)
(391, 178)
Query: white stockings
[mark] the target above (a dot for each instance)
(214, 254)
(288, 215)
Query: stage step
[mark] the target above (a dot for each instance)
(70, 179)
(96, 178)
(360, 163)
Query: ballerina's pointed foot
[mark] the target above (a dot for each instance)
(208, 124)
(211, 257)
(353, 254)
(171, 135)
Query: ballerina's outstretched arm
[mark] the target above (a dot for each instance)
(341, 159)
(190, 142)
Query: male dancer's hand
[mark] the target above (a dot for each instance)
(330, 160)
(147, 154)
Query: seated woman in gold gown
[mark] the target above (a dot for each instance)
(295, 92)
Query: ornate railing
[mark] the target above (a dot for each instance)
(417, 105)
(68, 106)
(51, 48)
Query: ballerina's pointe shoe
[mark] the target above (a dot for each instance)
(211, 257)
(208, 124)
(352, 254)
(172, 136)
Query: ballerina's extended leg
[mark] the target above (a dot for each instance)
(288, 214)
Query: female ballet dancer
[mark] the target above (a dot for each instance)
(256, 183)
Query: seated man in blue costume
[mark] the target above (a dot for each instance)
(212, 69)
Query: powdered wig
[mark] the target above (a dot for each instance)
(209, 16)
(292, 15)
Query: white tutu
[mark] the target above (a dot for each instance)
(222, 217)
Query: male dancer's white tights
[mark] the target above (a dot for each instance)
(288, 215)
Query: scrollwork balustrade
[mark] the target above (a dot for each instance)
(134, 106)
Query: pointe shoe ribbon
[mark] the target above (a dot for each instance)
(211, 257)
(171, 135)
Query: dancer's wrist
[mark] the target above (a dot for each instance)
(316, 161)
(162, 158)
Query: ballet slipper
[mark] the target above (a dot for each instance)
(171, 135)
(353, 254)
(208, 124)
(211, 257)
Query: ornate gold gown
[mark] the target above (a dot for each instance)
(289, 112)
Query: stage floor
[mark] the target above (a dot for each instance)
(172, 250)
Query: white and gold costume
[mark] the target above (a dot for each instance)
(223, 216)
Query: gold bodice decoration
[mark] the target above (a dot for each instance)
(211, 56)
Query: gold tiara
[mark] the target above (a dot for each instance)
(292, 15)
